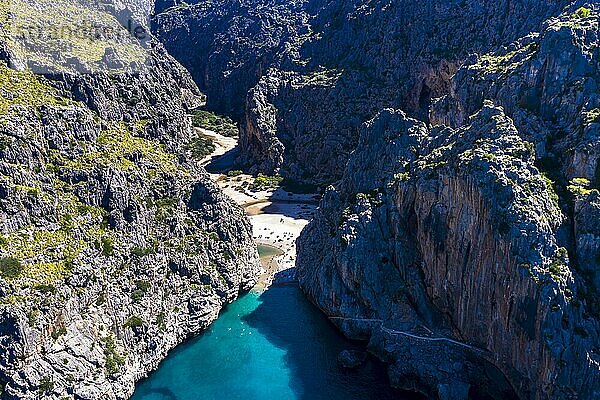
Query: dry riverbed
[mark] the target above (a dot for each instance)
(277, 216)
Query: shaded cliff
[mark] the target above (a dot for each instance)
(228, 45)
(115, 246)
(549, 84)
(454, 235)
(314, 71)
(467, 253)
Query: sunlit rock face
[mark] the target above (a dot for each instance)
(115, 246)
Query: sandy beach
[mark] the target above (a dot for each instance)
(277, 216)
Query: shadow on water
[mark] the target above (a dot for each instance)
(162, 393)
(270, 346)
(311, 346)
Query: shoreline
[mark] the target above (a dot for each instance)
(277, 216)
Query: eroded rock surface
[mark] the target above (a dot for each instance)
(115, 246)
(314, 71)
(447, 257)
(467, 253)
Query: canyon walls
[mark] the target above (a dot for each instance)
(312, 71)
(115, 246)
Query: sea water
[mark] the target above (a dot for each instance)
(270, 345)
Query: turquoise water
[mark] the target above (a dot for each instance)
(273, 345)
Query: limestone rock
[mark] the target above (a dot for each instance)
(115, 246)
(312, 72)
(447, 258)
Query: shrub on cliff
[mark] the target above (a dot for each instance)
(582, 12)
(202, 147)
(10, 267)
(133, 322)
(46, 385)
(213, 122)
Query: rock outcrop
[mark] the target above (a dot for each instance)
(115, 246)
(467, 253)
(447, 257)
(314, 71)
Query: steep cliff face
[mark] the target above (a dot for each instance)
(228, 45)
(446, 257)
(115, 246)
(334, 67)
(484, 233)
(549, 84)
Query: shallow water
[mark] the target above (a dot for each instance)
(273, 345)
(266, 251)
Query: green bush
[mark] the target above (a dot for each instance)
(10, 267)
(160, 321)
(213, 122)
(555, 268)
(551, 189)
(32, 317)
(108, 248)
(133, 322)
(140, 290)
(114, 360)
(559, 263)
(137, 295)
(46, 384)
(234, 173)
(591, 116)
(582, 12)
(202, 147)
(47, 289)
(262, 182)
(142, 251)
(101, 299)
(143, 285)
(56, 333)
(66, 223)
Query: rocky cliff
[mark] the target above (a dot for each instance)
(115, 246)
(460, 236)
(228, 45)
(314, 71)
(466, 250)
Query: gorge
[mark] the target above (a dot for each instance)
(425, 174)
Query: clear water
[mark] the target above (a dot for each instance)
(266, 251)
(273, 345)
